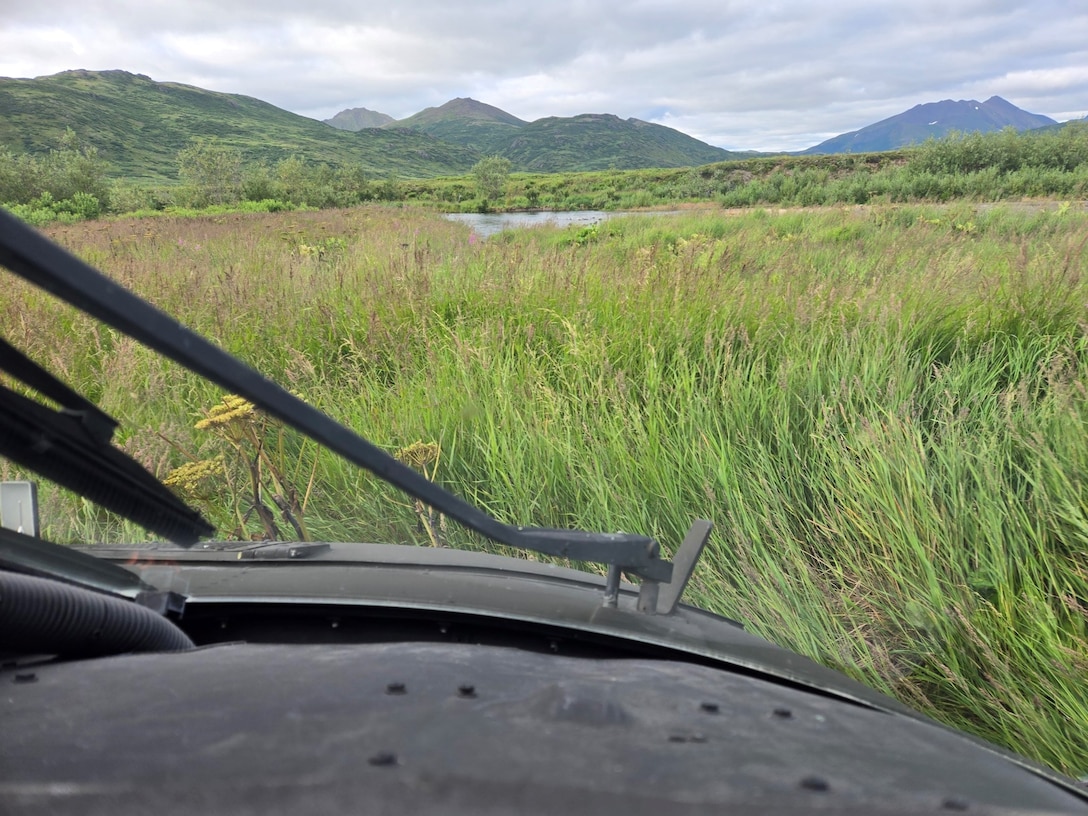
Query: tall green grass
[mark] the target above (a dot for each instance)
(883, 410)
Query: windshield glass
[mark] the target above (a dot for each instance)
(887, 429)
(73, 445)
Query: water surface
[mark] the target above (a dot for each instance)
(487, 224)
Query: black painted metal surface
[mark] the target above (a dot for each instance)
(463, 728)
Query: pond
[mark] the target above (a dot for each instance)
(487, 224)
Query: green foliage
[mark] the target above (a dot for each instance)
(18, 175)
(1005, 152)
(491, 175)
(1047, 164)
(46, 209)
(252, 469)
(319, 185)
(297, 180)
(63, 181)
(994, 167)
(210, 173)
(131, 198)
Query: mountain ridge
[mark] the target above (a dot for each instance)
(464, 107)
(465, 121)
(139, 125)
(593, 141)
(611, 141)
(932, 120)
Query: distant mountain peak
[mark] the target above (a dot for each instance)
(461, 107)
(358, 119)
(933, 119)
(464, 121)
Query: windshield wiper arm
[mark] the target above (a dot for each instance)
(43, 263)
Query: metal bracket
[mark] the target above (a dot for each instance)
(647, 597)
(661, 597)
(277, 550)
(612, 586)
(683, 565)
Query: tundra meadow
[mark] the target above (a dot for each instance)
(882, 409)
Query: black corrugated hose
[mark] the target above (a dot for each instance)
(41, 616)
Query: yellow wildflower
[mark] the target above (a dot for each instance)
(231, 408)
(419, 455)
(187, 479)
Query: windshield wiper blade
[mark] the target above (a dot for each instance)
(60, 447)
(73, 448)
(43, 263)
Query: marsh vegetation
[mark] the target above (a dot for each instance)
(73, 182)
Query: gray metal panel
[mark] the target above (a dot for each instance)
(367, 728)
(505, 589)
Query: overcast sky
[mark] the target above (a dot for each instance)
(757, 74)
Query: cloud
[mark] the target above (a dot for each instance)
(781, 74)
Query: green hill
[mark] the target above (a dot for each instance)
(358, 118)
(139, 125)
(562, 144)
(465, 122)
(599, 141)
(1058, 126)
